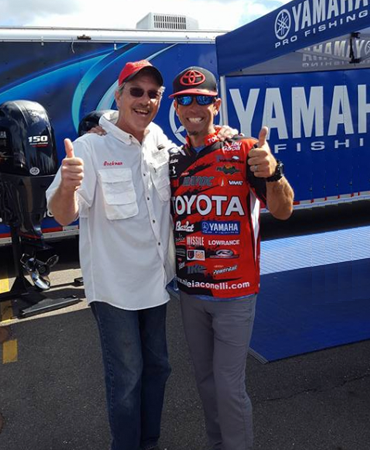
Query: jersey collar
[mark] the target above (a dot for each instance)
(208, 140)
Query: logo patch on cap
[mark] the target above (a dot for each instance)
(192, 78)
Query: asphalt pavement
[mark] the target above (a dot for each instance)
(52, 391)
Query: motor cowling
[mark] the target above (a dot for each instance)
(27, 144)
(28, 163)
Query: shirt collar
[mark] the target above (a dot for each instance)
(108, 122)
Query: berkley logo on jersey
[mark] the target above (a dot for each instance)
(196, 255)
(212, 227)
(203, 205)
(186, 227)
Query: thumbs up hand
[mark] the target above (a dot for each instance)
(260, 158)
(69, 148)
(72, 169)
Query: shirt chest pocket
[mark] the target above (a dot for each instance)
(118, 193)
(161, 181)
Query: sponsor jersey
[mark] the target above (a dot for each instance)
(216, 201)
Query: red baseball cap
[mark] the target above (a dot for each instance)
(195, 81)
(131, 69)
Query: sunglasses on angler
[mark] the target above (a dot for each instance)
(202, 100)
(138, 92)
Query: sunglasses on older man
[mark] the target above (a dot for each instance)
(202, 100)
(138, 92)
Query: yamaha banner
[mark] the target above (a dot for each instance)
(296, 25)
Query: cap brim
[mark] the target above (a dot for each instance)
(193, 91)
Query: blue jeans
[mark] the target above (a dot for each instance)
(136, 370)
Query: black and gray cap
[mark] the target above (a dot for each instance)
(194, 81)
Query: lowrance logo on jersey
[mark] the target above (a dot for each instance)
(212, 227)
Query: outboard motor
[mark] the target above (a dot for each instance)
(28, 163)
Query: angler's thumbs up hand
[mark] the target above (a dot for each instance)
(262, 137)
(72, 169)
(69, 148)
(260, 158)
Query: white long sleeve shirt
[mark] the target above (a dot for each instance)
(126, 242)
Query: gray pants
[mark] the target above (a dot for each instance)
(218, 335)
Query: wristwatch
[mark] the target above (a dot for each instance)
(279, 172)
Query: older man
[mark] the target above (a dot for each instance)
(118, 186)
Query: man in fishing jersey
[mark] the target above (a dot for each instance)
(218, 189)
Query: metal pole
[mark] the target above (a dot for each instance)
(223, 92)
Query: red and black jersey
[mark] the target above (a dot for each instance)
(216, 202)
